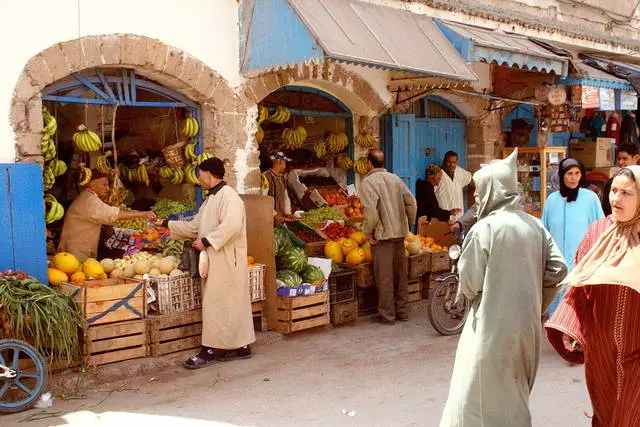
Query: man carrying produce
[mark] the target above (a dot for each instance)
(276, 186)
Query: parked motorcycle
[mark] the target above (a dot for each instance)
(446, 309)
(23, 375)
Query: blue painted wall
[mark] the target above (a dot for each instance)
(22, 225)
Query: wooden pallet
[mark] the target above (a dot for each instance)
(415, 290)
(115, 342)
(259, 316)
(299, 313)
(169, 333)
(344, 312)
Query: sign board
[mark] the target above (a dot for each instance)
(626, 100)
(541, 93)
(557, 95)
(590, 97)
(607, 99)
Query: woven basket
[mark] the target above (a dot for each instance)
(173, 154)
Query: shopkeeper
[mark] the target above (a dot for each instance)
(275, 185)
(87, 214)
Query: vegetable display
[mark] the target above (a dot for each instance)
(293, 259)
(312, 274)
(281, 241)
(322, 214)
(290, 278)
(165, 207)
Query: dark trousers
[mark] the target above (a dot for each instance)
(390, 268)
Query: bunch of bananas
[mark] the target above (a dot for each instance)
(190, 174)
(50, 123)
(178, 176)
(84, 175)
(55, 211)
(58, 168)
(365, 140)
(320, 148)
(48, 178)
(86, 140)
(204, 156)
(139, 174)
(102, 163)
(48, 147)
(361, 167)
(343, 161)
(281, 115)
(337, 142)
(263, 113)
(259, 135)
(191, 127)
(166, 172)
(190, 150)
(173, 247)
(294, 138)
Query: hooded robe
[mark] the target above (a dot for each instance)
(509, 269)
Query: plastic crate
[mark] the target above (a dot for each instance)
(342, 285)
(257, 273)
(175, 294)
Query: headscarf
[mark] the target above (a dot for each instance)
(571, 194)
(615, 257)
(497, 186)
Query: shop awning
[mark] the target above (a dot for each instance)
(588, 75)
(278, 33)
(484, 45)
(630, 72)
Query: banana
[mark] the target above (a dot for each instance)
(86, 140)
(178, 176)
(361, 166)
(166, 172)
(190, 174)
(320, 148)
(195, 126)
(59, 168)
(55, 210)
(144, 175)
(204, 156)
(364, 140)
(259, 135)
(102, 163)
(344, 162)
(263, 113)
(48, 178)
(191, 127)
(85, 176)
(190, 151)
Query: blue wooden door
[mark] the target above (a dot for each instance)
(22, 225)
(400, 147)
(437, 136)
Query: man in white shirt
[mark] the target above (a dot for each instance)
(449, 191)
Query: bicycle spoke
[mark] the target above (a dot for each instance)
(28, 375)
(23, 387)
(2, 362)
(16, 359)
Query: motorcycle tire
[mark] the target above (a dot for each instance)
(15, 354)
(436, 308)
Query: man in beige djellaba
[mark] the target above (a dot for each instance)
(219, 228)
(509, 269)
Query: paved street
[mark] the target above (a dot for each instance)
(363, 375)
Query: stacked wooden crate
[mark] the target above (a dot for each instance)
(342, 291)
(303, 312)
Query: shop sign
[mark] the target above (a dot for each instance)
(590, 97)
(607, 99)
(557, 95)
(626, 100)
(541, 93)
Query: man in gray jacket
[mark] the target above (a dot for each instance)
(389, 209)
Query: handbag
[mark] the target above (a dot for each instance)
(190, 260)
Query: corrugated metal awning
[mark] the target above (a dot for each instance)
(485, 45)
(591, 76)
(349, 31)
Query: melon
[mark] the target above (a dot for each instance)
(78, 278)
(359, 237)
(167, 265)
(116, 273)
(414, 247)
(108, 265)
(93, 269)
(139, 277)
(175, 272)
(142, 267)
(313, 275)
(333, 251)
(128, 271)
(293, 259)
(356, 256)
(155, 263)
(66, 263)
(368, 255)
(289, 278)
(348, 245)
(154, 272)
(56, 277)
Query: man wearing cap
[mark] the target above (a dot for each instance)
(275, 183)
(87, 214)
(426, 196)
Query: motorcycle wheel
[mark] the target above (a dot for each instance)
(446, 317)
(23, 391)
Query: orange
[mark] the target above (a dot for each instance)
(251, 260)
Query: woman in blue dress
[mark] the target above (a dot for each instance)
(568, 213)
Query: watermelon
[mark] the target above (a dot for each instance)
(281, 241)
(293, 259)
(313, 275)
(290, 278)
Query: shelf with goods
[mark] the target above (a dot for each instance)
(537, 174)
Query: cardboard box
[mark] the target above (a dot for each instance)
(594, 152)
(439, 231)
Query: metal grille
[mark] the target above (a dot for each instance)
(435, 110)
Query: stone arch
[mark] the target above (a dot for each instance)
(165, 64)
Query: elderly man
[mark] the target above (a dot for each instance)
(455, 178)
(87, 214)
(426, 196)
(389, 209)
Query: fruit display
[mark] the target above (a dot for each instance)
(343, 161)
(139, 174)
(320, 148)
(347, 246)
(66, 267)
(323, 214)
(313, 275)
(281, 241)
(307, 236)
(84, 175)
(173, 248)
(293, 139)
(365, 140)
(333, 197)
(190, 150)
(166, 207)
(263, 113)
(294, 259)
(355, 208)
(48, 145)
(289, 278)
(141, 263)
(337, 142)
(86, 140)
(48, 178)
(190, 174)
(335, 231)
(191, 127)
(54, 209)
(361, 166)
(419, 244)
(131, 223)
(102, 163)
(204, 156)
(280, 116)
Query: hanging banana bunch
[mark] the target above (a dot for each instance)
(190, 174)
(191, 127)
(204, 156)
(48, 178)
(55, 211)
(343, 161)
(84, 175)
(281, 115)
(320, 148)
(139, 174)
(337, 142)
(365, 140)
(190, 150)
(178, 176)
(48, 148)
(58, 167)
(102, 163)
(263, 113)
(166, 172)
(86, 140)
(259, 135)
(294, 138)
(50, 122)
(361, 166)
(48, 145)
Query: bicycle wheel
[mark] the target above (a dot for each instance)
(447, 317)
(23, 387)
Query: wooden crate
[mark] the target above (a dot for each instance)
(299, 313)
(342, 285)
(364, 275)
(115, 342)
(418, 265)
(367, 300)
(415, 290)
(440, 261)
(344, 312)
(169, 333)
(259, 316)
(109, 300)
(315, 249)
